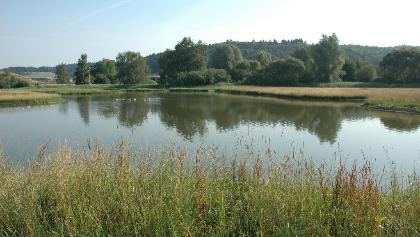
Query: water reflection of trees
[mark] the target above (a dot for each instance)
(132, 112)
(130, 109)
(189, 113)
(63, 107)
(83, 104)
(400, 121)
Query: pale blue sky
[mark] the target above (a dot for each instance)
(47, 32)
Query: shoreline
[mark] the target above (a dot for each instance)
(396, 100)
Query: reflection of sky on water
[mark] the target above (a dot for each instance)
(319, 130)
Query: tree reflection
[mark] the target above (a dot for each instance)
(130, 109)
(63, 107)
(189, 114)
(400, 121)
(83, 103)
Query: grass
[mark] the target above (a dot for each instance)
(94, 88)
(393, 99)
(75, 90)
(119, 192)
(23, 97)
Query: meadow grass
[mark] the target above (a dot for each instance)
(15, 97)
(398, 99)
(63, 89)
(121, 192)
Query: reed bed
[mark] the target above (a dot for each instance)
(23, 97)
(122, 192)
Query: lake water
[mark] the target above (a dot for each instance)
(230, 124)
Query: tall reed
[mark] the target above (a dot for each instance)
(122, 192)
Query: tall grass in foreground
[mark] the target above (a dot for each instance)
(118, 192)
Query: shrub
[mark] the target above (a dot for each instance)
(12, 82)
(366, 73)
(245, 69)
(279, 73)
(201, 78)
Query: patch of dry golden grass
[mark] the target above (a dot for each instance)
(387, 97)
(26, 97)
(13, 95)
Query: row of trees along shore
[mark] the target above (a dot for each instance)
(194, 64)
(128, 68)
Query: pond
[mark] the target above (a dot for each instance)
(230, 124)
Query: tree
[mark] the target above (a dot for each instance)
(350, 69)
(104, 72)
(187, 56)
(201, 78)
(366, 73)
(245, 69)
(305, 53)
(226, 56)
(329, 58)
(401, 66)
(282, 72)
(62, 74)
(132, 68)
(82, 74)
(265, 58)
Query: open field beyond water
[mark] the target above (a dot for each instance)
(405, 99)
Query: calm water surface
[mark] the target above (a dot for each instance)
(232, 124)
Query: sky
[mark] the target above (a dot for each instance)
(49, 32)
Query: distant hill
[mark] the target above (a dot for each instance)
(44, 69)
(10, 79)
(370, 54)
(281, 49)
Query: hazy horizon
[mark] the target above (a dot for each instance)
(46, 33)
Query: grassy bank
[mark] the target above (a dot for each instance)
(93, 89)
(391, 99)
(120, 193)
(24, 97)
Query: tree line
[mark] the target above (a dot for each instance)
(128, 68)
(195, 63)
